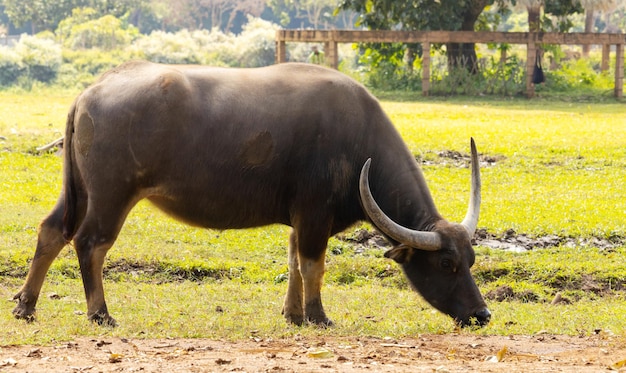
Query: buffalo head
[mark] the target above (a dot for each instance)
(437, 261)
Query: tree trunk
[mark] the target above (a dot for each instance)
(589, 17)
(534, 25)
(463, 55)
(534, 19)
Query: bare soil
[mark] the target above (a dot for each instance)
(427, 353)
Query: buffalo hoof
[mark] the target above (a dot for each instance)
(294, 319)
(24, 310)
(321, 321)
(103, 319)
(21, 314)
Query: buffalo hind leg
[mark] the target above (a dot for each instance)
(50, 241)
(93, 240)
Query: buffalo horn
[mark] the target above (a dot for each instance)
(429, 241)
(471, 218)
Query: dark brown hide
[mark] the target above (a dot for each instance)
(229, 148)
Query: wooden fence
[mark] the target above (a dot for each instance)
(331, 38)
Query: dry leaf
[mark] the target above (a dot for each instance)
(10, 362)
(34, 353)
(322, 353)
(618, 365)
(115, 358)
(499, 355)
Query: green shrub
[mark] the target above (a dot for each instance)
(255, 45)
(578, 76)
(387, 77)
(579, 73)
(507, 78)
(106, 32)
(11, 66)
(95, 61)
(41, 57)
(70, 77)
(164, 47)
(82, 30)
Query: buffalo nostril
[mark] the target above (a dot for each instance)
(483, 316)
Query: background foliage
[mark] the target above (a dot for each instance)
(94, 36)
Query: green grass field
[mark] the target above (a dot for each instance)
(560, 169)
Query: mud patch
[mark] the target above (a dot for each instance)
(520, 242)
(457, 159)
(505, 293)
(509, 241)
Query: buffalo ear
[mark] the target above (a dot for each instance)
(401, 254)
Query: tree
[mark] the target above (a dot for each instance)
(42, 14)
(592, 6)
(46, 14)
(208, 14)
(304, 13)
(557, 8)
(450, 15)
(84, 29)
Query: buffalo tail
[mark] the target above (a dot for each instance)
(69, 181)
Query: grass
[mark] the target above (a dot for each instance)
(559, 169)
(560, 166)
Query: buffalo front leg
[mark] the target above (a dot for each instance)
(293, 308)
(49, 243)
(312, 240)
(313, 274)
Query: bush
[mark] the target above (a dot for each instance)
(504, 78)
(105, 32)
(41, 57)
(164, 47)
(254, 47)
(256, 44)
(82, 31)
(386, 77)
(578, 74)
(11, 66)
(94, 61)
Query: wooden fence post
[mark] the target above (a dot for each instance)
(281, 48)
(425, 68)
(619, 70)
(331, 53)
(531, 56)
(606, 53)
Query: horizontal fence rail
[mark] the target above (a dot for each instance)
(331, 38)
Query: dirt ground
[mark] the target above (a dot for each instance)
(427, 353)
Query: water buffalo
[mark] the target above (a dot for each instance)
(222, 148)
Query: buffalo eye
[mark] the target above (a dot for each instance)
(447, 265)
